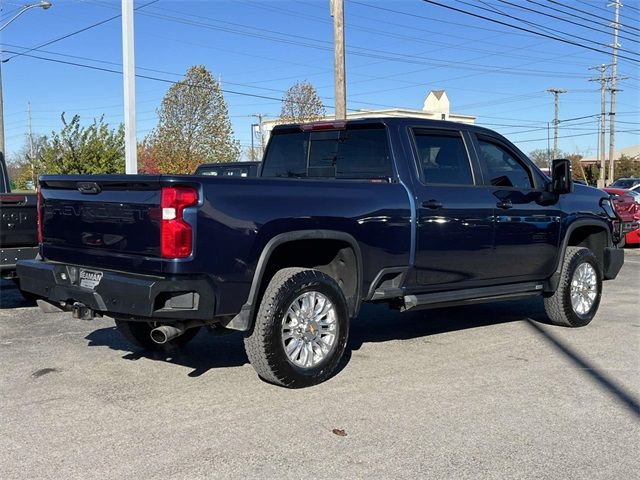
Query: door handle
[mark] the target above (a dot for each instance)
(504, 204)
(432, 204)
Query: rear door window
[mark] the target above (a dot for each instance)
(359, 152)
(442, 158)
(287, 155)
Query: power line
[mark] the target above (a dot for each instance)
(576, 16)
(592, 14)
(55, 40)
(538, 12)
(595, 132)
(537, 25)
(541, 34)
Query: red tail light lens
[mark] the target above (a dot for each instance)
(176, 234)
(39, 207)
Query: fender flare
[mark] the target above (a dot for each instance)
(554, 280)
(243, 321)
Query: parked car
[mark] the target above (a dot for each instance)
(410, 212)
(628, 182)
(229, 169)
(18, 230)
(628, 208)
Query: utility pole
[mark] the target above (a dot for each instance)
(32, 156)
(129, 75)
(556, 92)
(612, 109)
(339, 78)
(259, 116)
(2, 150)
(603, 113)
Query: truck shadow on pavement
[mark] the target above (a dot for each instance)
(376, 323)
(10, 296)
(206, 351)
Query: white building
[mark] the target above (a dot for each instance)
(632, 152)
(436, 106)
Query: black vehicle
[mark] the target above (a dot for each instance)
(18, 229)
(229, 169)
(410, 212)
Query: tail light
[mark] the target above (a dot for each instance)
(39, 207)
(176, 234)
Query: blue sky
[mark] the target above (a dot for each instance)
(396, 52)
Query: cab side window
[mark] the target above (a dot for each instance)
(442, 158)
(502, 168)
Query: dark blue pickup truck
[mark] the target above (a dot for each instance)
(414, 213)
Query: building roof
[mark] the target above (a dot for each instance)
(437, 93)
(632, 151)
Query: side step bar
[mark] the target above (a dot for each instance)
(472, 295)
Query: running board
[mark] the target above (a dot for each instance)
(471, 295)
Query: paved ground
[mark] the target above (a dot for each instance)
(477, 392)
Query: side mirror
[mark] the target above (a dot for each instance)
(561, 180)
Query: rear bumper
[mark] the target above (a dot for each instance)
(121, 294)
(9, 257)
(613, 261)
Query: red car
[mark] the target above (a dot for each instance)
(627, 206)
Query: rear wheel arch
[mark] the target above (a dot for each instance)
(334, 253)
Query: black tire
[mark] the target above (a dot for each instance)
(139, 335)
(558, 306)
(264, 344)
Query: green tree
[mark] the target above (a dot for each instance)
(540, 157)
(301, 103)
(25, 167)
(627, 167)
(193, 126)
(79, 149)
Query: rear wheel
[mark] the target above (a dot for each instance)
(301, 329)
(139, 334)
(576, 301)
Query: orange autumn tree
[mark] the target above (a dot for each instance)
(193, 127)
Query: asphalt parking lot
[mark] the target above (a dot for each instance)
(487, 391)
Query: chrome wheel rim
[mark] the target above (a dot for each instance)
(309, 330)
(584, 288)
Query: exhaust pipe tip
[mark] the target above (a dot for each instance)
(166, 333)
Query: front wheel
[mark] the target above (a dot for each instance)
(301, 329)
(576, 301)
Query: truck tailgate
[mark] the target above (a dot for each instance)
(100, 217)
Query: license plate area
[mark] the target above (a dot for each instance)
(89, 278)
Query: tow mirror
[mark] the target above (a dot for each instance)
(561, 180)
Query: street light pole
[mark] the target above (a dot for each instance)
(45, 6)
(129, 74)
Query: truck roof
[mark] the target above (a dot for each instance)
(389, 121)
